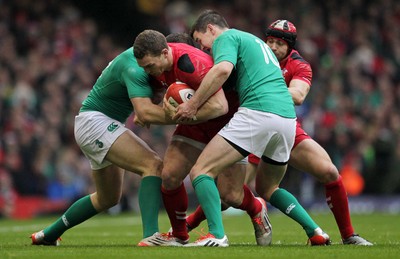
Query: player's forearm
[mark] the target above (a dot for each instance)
(215, 106)
(299, 90)
(210, 112)
(154, 114)
(210, 84)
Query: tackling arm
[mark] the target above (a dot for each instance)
(149, 113)
(215, 106)
(213, 80)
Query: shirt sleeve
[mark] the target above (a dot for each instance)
(137, 83)
(225, 48)
(302, 71)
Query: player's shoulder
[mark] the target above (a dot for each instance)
(295, 57)
(124, 59)
(189, 58)
(180, 49)
(126, 54)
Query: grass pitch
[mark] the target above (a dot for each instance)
(107, 236)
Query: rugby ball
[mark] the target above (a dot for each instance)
(178, 93)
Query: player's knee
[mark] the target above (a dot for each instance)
(170, 181)
(108, 202)
(265, 192)
(233, 199)
(330, 174)
(154, 167)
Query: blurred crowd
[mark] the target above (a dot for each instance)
(51, 53)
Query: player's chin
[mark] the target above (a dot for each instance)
(155, 73)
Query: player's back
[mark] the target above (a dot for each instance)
(112, 91)
(260, 84)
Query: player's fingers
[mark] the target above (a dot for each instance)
(176, 117)
(165, 102)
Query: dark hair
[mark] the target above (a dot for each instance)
(181, 37)
(208, 17)
(149, 42)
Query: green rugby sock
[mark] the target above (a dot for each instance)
(288, 204)
(208, 196)
(149, 202)
(80, 211)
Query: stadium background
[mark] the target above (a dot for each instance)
(51, 52)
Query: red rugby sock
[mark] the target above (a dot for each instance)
(176, 204)
(337, 200)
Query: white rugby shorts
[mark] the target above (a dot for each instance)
(95, 133)
(261, 133)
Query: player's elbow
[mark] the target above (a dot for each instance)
(221, 108)
(225, 108)
(298, 99)
(223, 70)
(144, 116)
(299, 91)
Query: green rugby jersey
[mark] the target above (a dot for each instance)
(121, 80)
(260, 83)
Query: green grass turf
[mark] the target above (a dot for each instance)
(107, 236)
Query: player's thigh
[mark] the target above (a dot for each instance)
(216, 156)
(251, 170)
(268, 178)
(179, 158)
(309, 156)
(108, 182)
(133, 154)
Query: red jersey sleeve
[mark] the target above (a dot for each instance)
(296, 68)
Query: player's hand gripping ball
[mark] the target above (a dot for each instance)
(178, 93)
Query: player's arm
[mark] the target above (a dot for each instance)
(215, 106)
(299, 89)
(300, 83)
(158, 90)
(212, 81)
(149, 113)
(158, 95)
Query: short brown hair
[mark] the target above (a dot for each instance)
(149, 42)
(180, 37)
(208, 17)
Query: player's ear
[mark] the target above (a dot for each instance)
(164, 52)
(211, 28)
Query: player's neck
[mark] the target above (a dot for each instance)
(170, 59)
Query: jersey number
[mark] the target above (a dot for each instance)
(268, 55)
